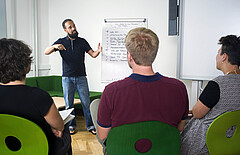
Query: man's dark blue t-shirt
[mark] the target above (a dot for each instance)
(73, 57)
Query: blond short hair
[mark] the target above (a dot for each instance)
(143, 45)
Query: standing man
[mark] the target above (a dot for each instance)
(72, 50)
(144, 95)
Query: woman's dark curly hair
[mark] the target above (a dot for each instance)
(15, 60)
(231, 46)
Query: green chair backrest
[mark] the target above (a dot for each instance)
(49, 82)
(31, 81)
(153, 137)
(19, 136)
(216, 140)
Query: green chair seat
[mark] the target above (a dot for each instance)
(15, 129)
(53, 85)
(216, 140)
(93, 95)
(55, 93)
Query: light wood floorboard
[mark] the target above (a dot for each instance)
(83, 142)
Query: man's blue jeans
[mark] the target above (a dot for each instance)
(70, 85)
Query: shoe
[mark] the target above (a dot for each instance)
(72, 131)
(93, 131)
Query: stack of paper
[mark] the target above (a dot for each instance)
(66, 115)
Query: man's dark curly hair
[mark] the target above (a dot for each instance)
(231, 46)
(15, 60)
(66, 20)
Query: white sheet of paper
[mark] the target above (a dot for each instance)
(69, 118)
(66, 115)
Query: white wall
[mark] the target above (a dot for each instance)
(88, 16)
(43, 35)
(20, 26)
(23, 21)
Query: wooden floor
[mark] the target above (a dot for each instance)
(83, 142)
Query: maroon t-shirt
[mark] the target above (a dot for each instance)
(143, 98)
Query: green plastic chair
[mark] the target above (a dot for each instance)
(19, 136)
(153, 137)
(216, 140)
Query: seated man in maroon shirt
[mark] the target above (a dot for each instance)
(144, 95)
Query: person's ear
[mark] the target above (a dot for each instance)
(129, 56)
(224, 57)
(28, 69)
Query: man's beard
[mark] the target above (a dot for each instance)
(73, 35)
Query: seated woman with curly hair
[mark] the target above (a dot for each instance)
(29, 102)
